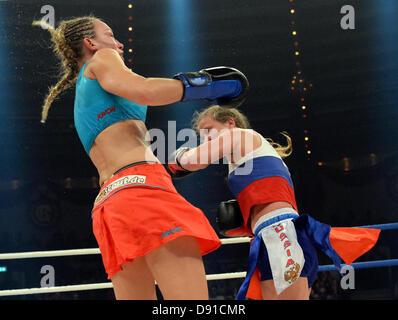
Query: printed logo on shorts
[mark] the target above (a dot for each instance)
(171, 231)
(292, 273)
(127, 180)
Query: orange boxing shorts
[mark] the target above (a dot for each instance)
(138, 210)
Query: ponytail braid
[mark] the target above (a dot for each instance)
(67, 43)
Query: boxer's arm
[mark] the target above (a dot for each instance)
(114, 77)
(223, 145)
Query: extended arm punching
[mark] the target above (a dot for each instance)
(220, 84)
(185, 160)
(232, 143)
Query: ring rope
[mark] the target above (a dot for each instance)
(105, 285)
(384, 226)
(43, 254)
(220, 276)
(79, 287)
(362, 265)
(73, 252)
(62, 253)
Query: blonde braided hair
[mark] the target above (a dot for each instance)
(67, 43)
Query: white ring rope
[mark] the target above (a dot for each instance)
(95, 286)
(75, 252)
(105, 285)
(43, 254)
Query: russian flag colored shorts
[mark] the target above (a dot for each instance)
(285, 247)
(280, 253)
(138, 210)
(285, 252)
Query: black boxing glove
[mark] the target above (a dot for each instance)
(221, 85)
(229, 219)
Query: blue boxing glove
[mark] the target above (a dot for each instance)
(222, 85)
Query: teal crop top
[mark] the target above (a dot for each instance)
(95, 109)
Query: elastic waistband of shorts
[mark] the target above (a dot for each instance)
(132, 165)
(126, 167)
(149, 175)
(274, 217)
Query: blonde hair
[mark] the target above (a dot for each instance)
(223, 114)
(67, 44)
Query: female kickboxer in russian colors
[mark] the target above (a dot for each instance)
(145, 230)
(283, 260)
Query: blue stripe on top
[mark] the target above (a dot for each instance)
(255, 169)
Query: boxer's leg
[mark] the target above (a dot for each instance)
(134, 282)
(297, 291)
(178, 269)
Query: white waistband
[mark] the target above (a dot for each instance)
(274, 214)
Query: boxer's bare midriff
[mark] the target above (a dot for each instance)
(119, 145)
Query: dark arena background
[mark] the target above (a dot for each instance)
(321, 71)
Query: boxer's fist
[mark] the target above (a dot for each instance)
(221, 85)
(174, 165)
